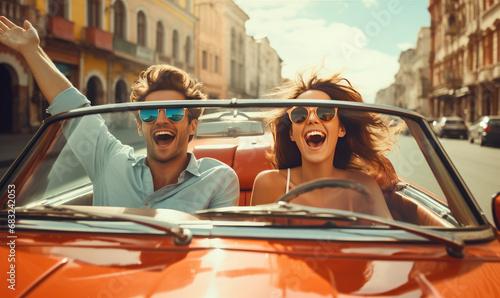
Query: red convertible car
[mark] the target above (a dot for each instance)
(56, 243)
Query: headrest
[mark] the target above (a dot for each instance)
(224, 153)
(248, 162)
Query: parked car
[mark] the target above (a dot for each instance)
(451, 127)
(438, 243)
(486, 130)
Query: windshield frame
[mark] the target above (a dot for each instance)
(419, 128)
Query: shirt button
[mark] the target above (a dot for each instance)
(145, 204)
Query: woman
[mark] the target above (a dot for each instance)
(327, 143)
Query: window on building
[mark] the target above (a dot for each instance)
(488, 49)
(160, 38)
(498, 44)
(121, 92)
(241, 81)
(141, 28)
(119, 19)
(233, 73)
(57, 8)
(216, 64)
(470, 57)
(175, 45)
(241, 48)
(204, 59)
(233, 42)
(95, 91)
(94, 13)
(188, 50)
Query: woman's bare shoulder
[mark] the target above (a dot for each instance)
(268, 186)
(270, 179)
(270, 174)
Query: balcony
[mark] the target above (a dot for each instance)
(496, 71)
(17, 13)
(133, 51)
(61, 28)
(470, 78)
(145, 54)
(161, 58)
(99, 38)
(121, 45)
(485, 74)
(451, 78)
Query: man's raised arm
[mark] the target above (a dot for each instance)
(26, 41)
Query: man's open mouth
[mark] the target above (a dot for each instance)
(315, 139)
(163, 137)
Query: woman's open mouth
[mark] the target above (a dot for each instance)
(163, 137)
(315, 139)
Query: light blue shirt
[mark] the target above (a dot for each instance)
(122, 179)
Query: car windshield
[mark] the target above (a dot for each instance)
(61, 167)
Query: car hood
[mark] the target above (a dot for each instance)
(217, 267)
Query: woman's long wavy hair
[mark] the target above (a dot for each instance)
(363, 148)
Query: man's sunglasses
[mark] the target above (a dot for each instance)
(300, 114)
(174, 115)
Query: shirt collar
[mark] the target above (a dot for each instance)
(193, 166)
(141, 160)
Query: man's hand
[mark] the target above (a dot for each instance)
(17, 38)
(26, 41)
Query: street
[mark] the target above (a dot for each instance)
(479, 167)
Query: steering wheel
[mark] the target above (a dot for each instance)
(323, 184)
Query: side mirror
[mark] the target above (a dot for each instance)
(495, 205)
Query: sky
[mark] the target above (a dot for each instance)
(360, 38)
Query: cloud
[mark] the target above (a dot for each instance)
(370, 3)
(405, 46)
(303, 43)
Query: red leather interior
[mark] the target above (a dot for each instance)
(224, 153)
(404, 208)
(246, 160)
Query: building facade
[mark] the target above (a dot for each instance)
(263, 68)
(465, 58)
(100, 45)
(230, 63)
(411, 86)
(235, 34)
(210, 47)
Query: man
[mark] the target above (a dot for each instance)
(168, 176)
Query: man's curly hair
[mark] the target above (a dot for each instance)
(167, 77)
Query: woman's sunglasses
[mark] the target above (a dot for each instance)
(300, 114)
(174, 115)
